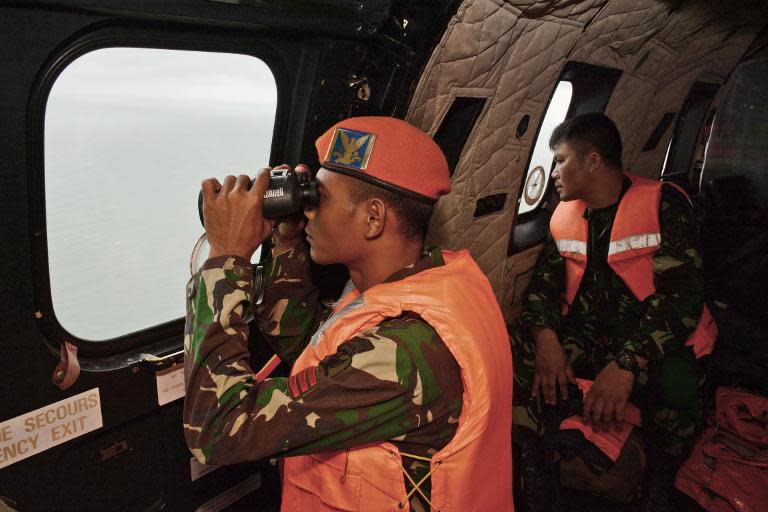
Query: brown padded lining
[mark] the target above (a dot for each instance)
(513, 53)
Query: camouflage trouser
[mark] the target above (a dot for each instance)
(668, 395)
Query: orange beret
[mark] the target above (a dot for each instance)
(386, 152)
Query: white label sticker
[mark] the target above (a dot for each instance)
(230, 496)
(170, 384)
(198, 470)
(49, 426)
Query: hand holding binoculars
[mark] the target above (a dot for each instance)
(289, 192)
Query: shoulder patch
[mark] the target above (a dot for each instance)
(304, 381)
(342, 359)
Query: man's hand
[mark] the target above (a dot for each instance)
(288, 231)
(234, 223)
(552, 368)
(608, 397)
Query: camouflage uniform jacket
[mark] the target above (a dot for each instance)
(397, 381)
(605, 315)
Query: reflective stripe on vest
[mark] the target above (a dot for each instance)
(573, 246)
(474, 470)
(635, 238)
(632, 242)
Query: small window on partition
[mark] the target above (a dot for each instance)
(540, 166)
(129, 135)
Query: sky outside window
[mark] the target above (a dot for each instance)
(130, 133)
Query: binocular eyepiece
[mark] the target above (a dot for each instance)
(289, 192)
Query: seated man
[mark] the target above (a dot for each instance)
(402, 397)
(616, 297)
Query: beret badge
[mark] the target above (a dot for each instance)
(350, 149)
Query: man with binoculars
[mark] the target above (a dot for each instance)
(400, 398)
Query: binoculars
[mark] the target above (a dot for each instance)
(289, 192)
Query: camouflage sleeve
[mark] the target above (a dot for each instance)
(672, 312)
(377, 386)
(542, 298)
(290, 309)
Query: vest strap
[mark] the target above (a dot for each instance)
(416, 486)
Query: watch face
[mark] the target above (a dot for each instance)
(627, 361)
(624, 360)
(534, 185)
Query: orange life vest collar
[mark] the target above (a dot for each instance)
(474, 470)
(635, 238)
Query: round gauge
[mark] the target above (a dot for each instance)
(534, 185)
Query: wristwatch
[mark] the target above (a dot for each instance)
(626, 361)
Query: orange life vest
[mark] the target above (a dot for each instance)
(474, 470)
(635, 238)
(611, 440)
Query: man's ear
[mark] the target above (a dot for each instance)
(376, 218)
(594, 161)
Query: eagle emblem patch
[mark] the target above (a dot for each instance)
(350, 149)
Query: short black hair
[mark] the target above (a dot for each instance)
(414, 215)
(591, 132)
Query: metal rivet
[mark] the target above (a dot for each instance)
(135, 369)
(60, 375)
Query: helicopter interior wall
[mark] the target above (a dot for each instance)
(509, 54)
(512, 52)
(137, 459)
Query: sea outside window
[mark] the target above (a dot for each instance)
(130, 133)
(540, 167)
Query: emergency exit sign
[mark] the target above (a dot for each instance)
(49, 426)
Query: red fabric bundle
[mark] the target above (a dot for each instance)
(612, 440)
(728, 469)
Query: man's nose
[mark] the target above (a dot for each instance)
(309, 212)
(556, 172)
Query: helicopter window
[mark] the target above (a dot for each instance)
(456, 127)
(130, 133)
(685, 155)
(582, 88)
(661, 128)
(490, 204)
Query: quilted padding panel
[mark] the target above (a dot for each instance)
(512, 53)
(492, 48)
(517, 273)
(662, 51)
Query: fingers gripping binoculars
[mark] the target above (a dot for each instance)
(289, 192)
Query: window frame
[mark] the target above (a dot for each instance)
(592, 89)
(165, 337)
